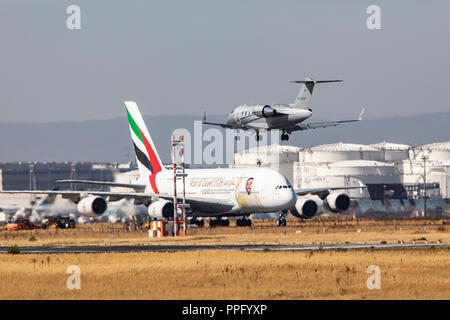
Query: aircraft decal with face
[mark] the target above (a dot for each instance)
(248, 185)
(245, 194)
(240, 199)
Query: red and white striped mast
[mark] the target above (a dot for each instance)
(183, 205)
(175, 203)
(184, 185)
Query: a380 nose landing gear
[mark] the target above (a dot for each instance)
(284, 136)
(281, 221)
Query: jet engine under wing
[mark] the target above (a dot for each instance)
(315, 125)
(324, 191)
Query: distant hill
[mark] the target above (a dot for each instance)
(109, 140)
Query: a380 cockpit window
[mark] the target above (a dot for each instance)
(283, 187)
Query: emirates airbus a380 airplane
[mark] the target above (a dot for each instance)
(214, 193)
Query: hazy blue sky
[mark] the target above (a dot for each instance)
(183, 57)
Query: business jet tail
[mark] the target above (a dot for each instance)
(304, 96)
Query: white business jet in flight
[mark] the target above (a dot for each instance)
(286, 118)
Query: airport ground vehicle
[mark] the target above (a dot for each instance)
(20, 224)
(59, 222)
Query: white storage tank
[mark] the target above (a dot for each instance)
(340, 152)
(347, 173)
(436, 151)
(437, 172)
(302, 173)
(277, 157)
(368, 172)
(392, 151)
(267, 154)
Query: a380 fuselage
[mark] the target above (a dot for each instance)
(251, 190)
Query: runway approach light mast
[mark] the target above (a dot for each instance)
(424, 158)
(179, 172)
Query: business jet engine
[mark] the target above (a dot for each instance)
(336, 202)
(161, 209)
(305, 208)
(92, 206)
(266, 111)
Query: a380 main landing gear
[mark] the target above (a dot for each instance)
(198, 222)
(281, 221)
(284, 136)
(218, 222)
(244, 222)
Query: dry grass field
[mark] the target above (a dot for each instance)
(315, 231)
(405, 274)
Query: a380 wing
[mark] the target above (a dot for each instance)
(199, 203)
(325, 190)
(71, 194)
(139, 187)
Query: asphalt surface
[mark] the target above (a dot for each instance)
(174, 248)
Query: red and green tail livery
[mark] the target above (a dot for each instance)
(148, 160)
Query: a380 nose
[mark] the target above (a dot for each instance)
(290, 198)
(285, 200)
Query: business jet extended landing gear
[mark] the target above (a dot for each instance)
(284, 136)
(281, 221)
(244, 222)
(218, 222)
(258, 137)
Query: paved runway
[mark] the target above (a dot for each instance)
(174, 248)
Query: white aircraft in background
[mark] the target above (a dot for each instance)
(120, 211)
(279, 116)
(214, 193)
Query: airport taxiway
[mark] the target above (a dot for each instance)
(174, 248)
